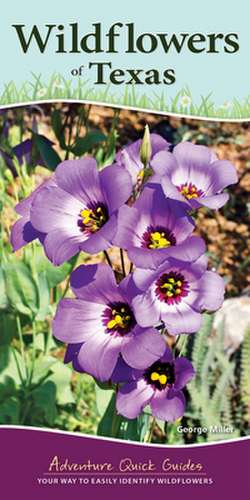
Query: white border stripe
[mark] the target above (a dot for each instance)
(131, 108)
(134, 443)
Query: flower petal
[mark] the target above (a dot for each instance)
(192, 155)
(184, 372)
(167, 356)
(190, 250)
(76, 321)
(22, 232)
(143, 347)
(60, 245)
(23, 207)
(80, 178)
(98, 356)
(181, 318)
(95, 283)
(143, 278)
(168, 405)
(101, 239)
(133, 397)
(223, 174)
(116, 186)
(124, 373)
(215, 202)
(146, 257)
(52, 208)
(146, 309)
(211, 289)
(172, 192)
(71, 352)
(127, 222)
(158, 143)
(164, 163)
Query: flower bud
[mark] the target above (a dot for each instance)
(2, 186)
(146, 149)
(8, 175)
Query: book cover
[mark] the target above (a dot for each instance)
(124, 250)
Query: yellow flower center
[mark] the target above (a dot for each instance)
(158, 240)
(94, 219)
(161, 378)
(120, 319)
(172, 287)
(190, 191)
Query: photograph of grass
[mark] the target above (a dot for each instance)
(124, 278)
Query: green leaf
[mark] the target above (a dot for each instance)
(5, 354)
(10, 411)
(135, 429)
(54, 275)
(44, 399)
(21, 288)
(39, 342)
(61, 377)
(7, 389)
(106, 386)
(103, 398)
(43, 367)
(56, 122)
(7, 328)
(10, 360)
(105, 425)
(44, 296)
(48, 154)
(85, 144)
(114, 425)
(3, 294)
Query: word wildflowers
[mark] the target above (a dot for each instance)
(117, 327)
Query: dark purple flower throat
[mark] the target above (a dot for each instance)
(171, 287)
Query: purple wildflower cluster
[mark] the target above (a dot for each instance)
(118, 331)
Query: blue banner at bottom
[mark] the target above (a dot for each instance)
(39, 464)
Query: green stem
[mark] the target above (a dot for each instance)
(33, 353)
(115, 427)
(20, 336)
(122, 262)
(25, 411)
(176, 342)
(66, 286)
(151, 430)
(18, 367)
(183, 345)
(69, 138)
(108, 258)
(73, 265)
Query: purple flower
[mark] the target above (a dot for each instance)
(156, 228)
(23, 152)
(102, 319)
(193, 174)
(176, 294)
(129, 157)
(158, 386)
(23, 232)
(79, 212)
(71, 355)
